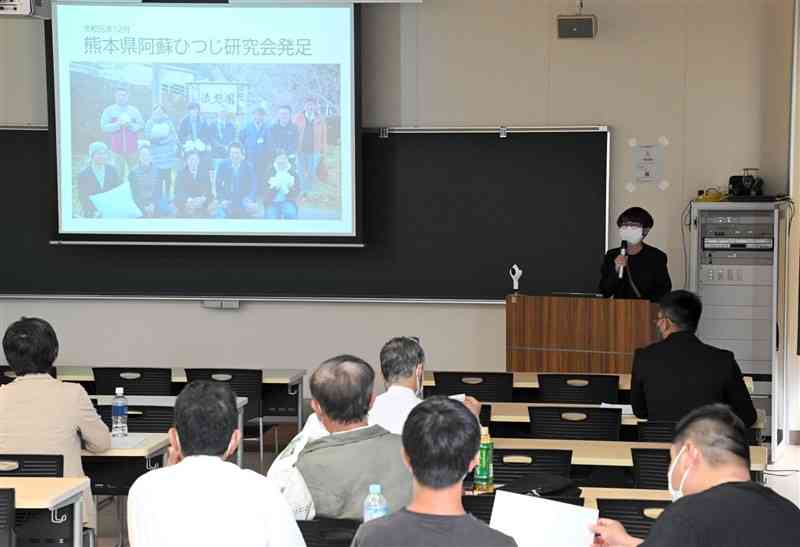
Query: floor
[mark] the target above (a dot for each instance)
(107, 522)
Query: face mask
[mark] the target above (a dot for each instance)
(676, 494)
(632, 235)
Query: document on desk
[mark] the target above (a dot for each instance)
(539, 522)
(627, 410)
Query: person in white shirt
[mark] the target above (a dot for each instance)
(201, 499)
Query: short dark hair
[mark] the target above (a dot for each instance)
(719, 434)
(259, 110)
(342, 386)
(31, 346)
(636, 215)
(683, 308)
(205, 417)
(440, 437)
(400, 357)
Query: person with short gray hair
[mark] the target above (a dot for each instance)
(715, 502)
(403, 369)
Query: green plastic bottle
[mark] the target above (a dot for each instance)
(484, 471)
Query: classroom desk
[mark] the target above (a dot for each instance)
(114, 471)
(591, 495)
(608, 453)
(136, 400)
(530, 380)
(518, 413)
(273, 378)
(51, 494)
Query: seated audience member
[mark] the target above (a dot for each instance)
(146, 185)
(716, 503)
(440, 445)
(96, 178)
(402, 365)
(193, 197)
(42, 415)
(236, 184)
(332, 475)
(281, 191)
(403, 369)
(201, 499)
(673, 377)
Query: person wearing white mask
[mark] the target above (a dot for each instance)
(715, 502)
(641, 271)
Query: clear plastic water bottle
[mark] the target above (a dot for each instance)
(375, 505)
(119, 414)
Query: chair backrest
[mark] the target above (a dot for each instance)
(135, 381)
(510, 465)
(244, 382)
(322, 532)
(31, 465)
(597, 424)
(497, 387)
(650, 467)
(481, 506)
(635, 515)
(143, 419)
(578, 388)
(7, 517)
(656, 432)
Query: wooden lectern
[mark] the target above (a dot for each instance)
(576, 334)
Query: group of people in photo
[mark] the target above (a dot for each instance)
(206, 166)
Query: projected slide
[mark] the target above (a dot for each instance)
(205, 120)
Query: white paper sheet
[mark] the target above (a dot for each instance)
(116, 203)
(538, 522)
(627, 410)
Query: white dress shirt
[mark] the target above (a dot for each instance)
(391, 409)
(205, 501)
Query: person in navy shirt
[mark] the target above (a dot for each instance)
(256, 143)
(236, 185)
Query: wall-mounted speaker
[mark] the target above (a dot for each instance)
(577, 26)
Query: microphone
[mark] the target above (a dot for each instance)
(623, 252)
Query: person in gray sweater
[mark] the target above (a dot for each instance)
(333, 473)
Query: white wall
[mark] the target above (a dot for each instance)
(711, 75)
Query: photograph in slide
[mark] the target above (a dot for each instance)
(206, 141)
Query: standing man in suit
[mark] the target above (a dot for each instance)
(236, 185)
(679, 374)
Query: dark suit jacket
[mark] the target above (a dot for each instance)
(673, 377)
(88, 186)
(187, 187)
(233, 188)
(221, 140)
(185, 130)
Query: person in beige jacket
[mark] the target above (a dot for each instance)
(42, 415)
